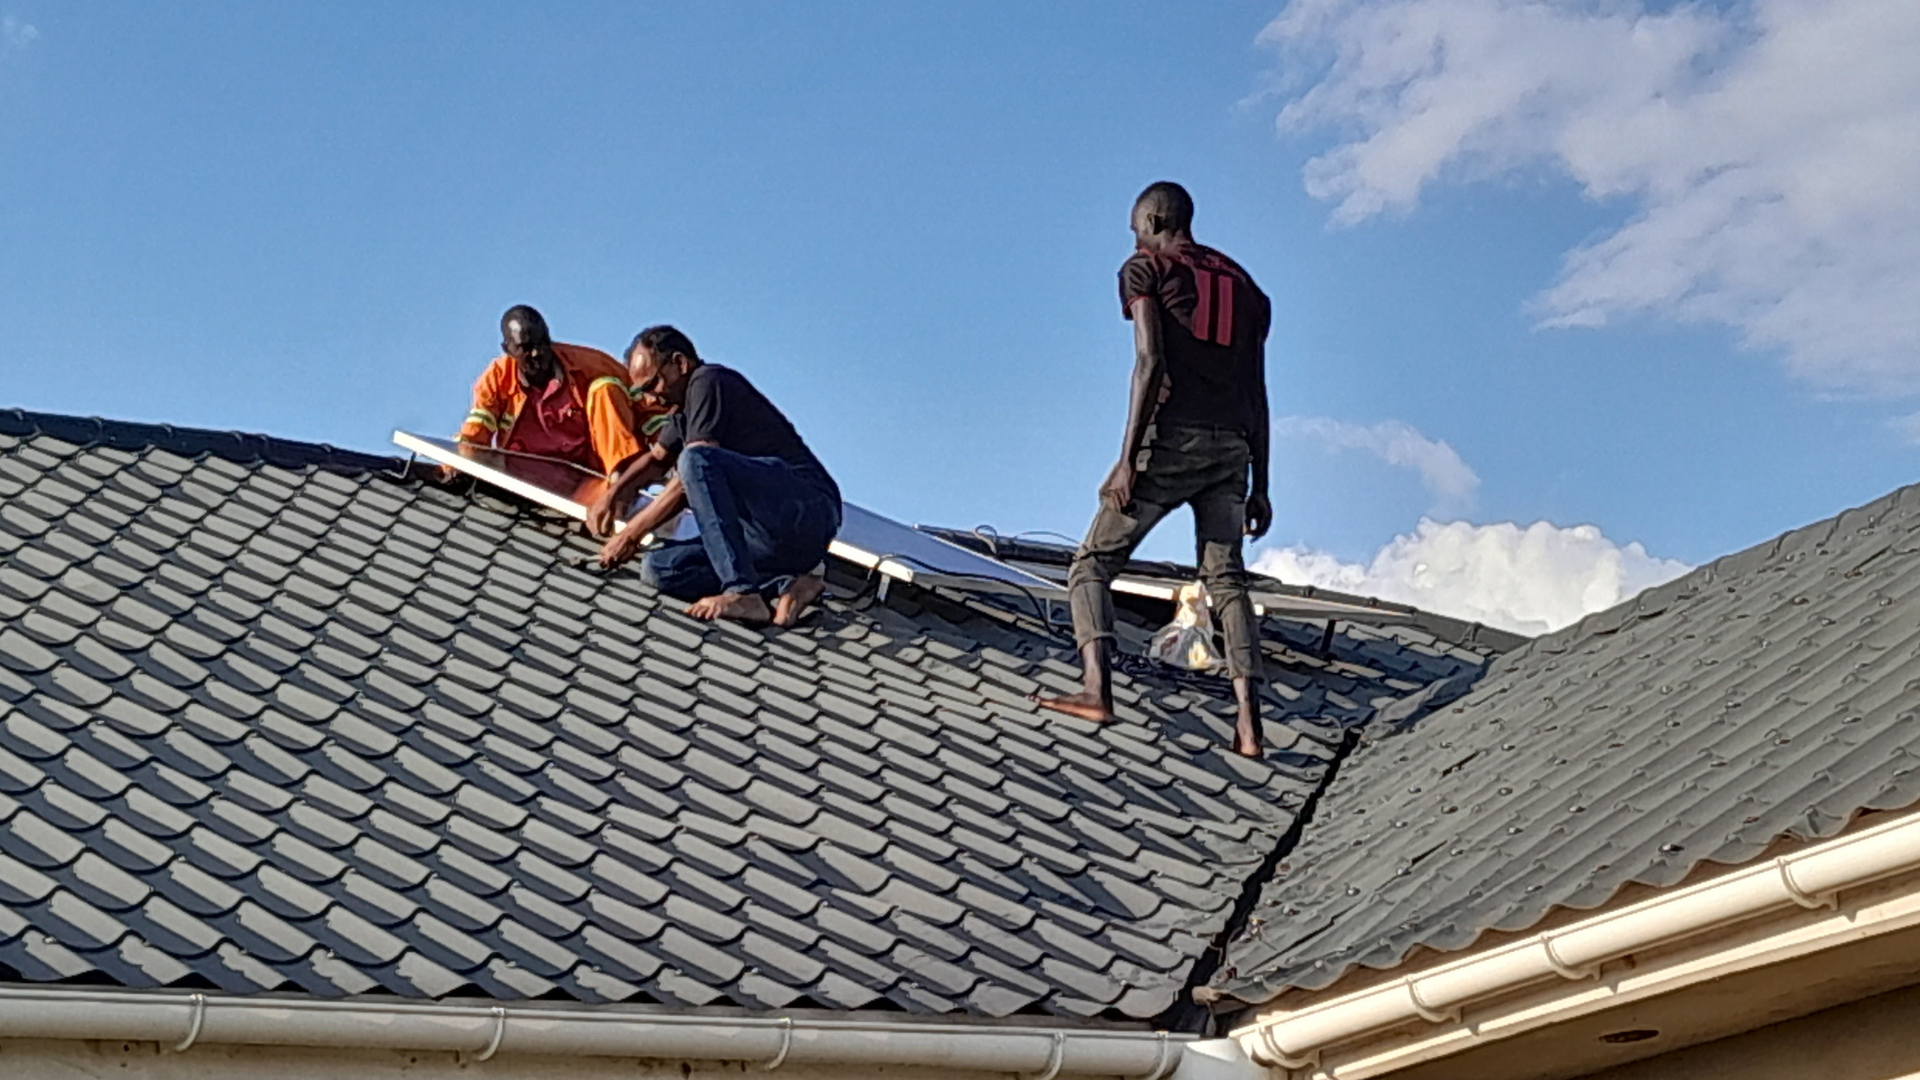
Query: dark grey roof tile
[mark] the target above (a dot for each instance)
(129, 848)
(697, 958)
(40, 958)
(37, 842)
(544, 916)
(456, 905)
(544, 876)
(626, 881)
(386, 865)
(288, 896)
(861, 932)
(445, 944)
(621, 918)
(706, 800)
(66, 810)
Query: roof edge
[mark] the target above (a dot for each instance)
(1657, 599)
(183, 1020)
(1454, 630)
(1812, 879)
(235, 446)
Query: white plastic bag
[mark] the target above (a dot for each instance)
(1187, 641)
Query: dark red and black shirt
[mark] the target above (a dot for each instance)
(1214, 323)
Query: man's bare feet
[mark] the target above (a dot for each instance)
(1247, 743)
(1084, 705)
(747, 608)
(790, 605)
(1247, 734)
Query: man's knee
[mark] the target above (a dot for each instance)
(1222, 568)
(697, 460)
(651, 570)
(1093, 568)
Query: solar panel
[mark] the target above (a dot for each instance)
(866, 539)
(550, 482)
(907, 554)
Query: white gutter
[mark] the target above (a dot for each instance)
(1810, 878)
(181, 1021)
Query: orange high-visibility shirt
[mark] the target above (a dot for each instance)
(598, 384)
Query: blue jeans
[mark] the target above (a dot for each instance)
(760, 520)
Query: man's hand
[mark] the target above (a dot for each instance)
(1117, 492)
(622, 548)
(600, 516)
(1259, 515)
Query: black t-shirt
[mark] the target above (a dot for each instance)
(1214, 323)
(723, 408)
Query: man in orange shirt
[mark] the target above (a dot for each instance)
(553, 400)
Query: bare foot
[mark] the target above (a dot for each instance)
(1083, 705)
(793, 603)
(745, 608)
(1246, 741)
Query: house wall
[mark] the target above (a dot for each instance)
(32, 1059)
(1877, 1038)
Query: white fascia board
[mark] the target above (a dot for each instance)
(1434, 1002)
(180, 1021)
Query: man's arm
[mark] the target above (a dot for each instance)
(672, 500)
(626, 544)
(635, 475)
(490, 403)
(1259, 507)
(1149, 368)
(610, 424)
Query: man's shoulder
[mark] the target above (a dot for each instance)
(590, 361)
(1215, 258)
(501, 368)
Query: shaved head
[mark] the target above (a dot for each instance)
(523, 326)
(523, 336)
(1163, 211)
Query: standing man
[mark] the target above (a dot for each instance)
(1196, 428)
(766, 507)
(552, 400)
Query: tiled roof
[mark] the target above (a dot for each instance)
(276, 717)
(1770, 694)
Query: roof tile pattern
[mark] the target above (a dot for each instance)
(1771, 693)
(276, 718)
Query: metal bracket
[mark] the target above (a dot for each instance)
(1161, 1064)
(1427, 1012)
(499, 1014)
(406, 471)
(786, 1044)
(1326, 641)
(1055, 1058)
(1800, 896)
(1277, 1055)
(1565, 969)
(194, 1023)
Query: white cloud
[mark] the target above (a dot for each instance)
(1769, 151)
(1397, 443)
(1528, 579)
(16, 35)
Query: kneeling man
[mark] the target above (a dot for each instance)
(548, 399)
(766, 507)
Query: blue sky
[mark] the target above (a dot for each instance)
(902, 221)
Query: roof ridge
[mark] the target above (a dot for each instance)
(236, 446)
(1662, 596)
